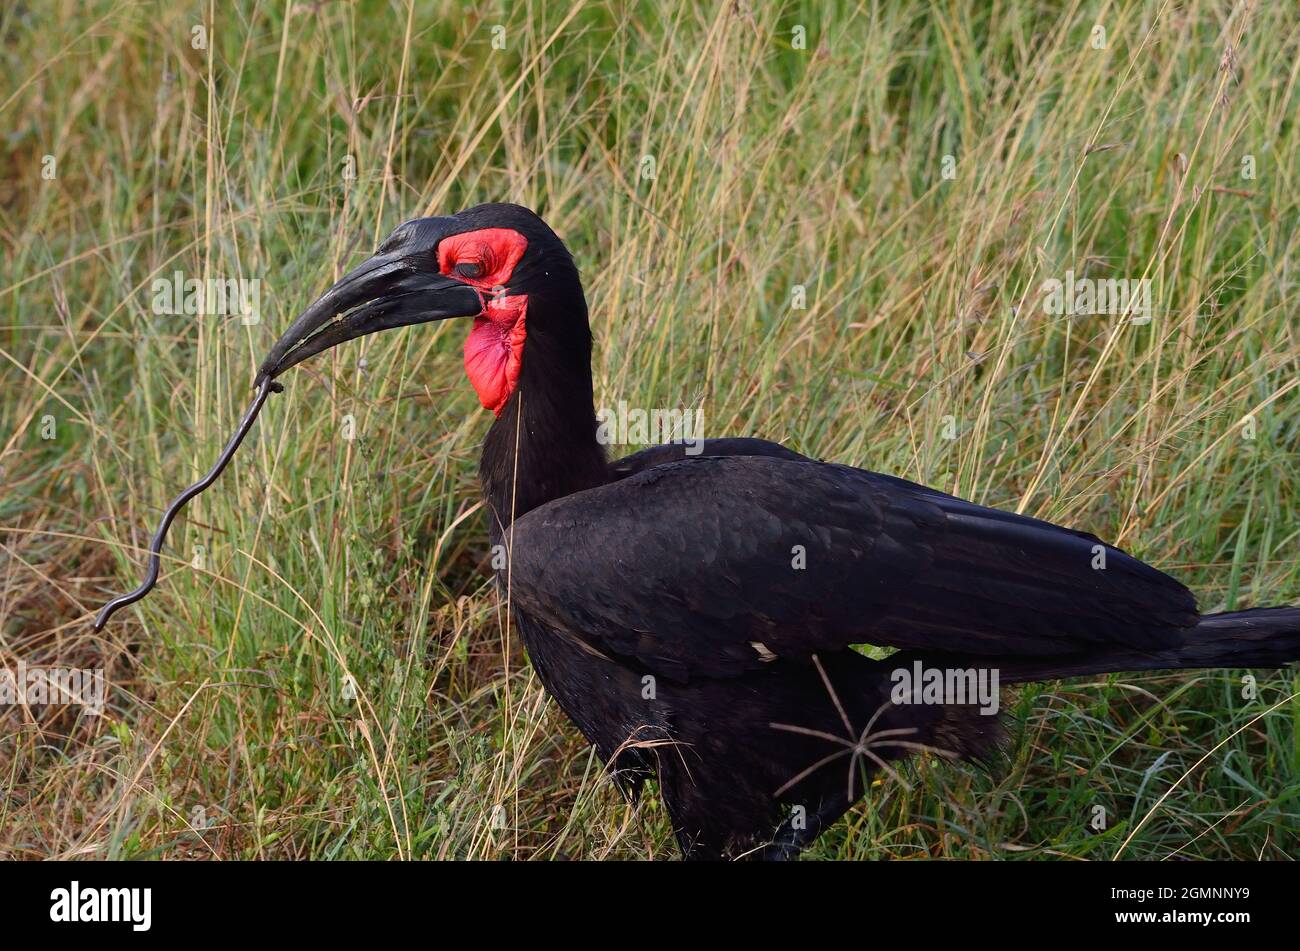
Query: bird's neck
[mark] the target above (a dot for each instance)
(543, 445)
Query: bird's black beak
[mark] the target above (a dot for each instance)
(387, 291)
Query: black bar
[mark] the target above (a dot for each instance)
(333, 901)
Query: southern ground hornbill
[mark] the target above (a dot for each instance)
(660, 601)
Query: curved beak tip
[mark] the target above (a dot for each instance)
(383, 293)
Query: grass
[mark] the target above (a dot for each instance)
(779, 160)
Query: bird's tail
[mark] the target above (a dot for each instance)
(1263, 637)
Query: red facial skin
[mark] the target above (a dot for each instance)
(494, 348)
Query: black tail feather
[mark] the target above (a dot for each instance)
(1263, 637)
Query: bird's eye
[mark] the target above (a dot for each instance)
(470, 269)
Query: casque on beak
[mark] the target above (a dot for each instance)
(385, 292)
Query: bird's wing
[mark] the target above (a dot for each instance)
(680, 451)
(713, 566)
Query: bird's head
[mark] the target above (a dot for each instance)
(498, 264)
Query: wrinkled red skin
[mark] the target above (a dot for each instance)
(494, 348)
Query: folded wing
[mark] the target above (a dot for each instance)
(715, 565)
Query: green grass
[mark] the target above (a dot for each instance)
(774, 166)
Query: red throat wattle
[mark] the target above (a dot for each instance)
(494, 349)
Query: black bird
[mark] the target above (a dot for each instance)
(694, 614)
